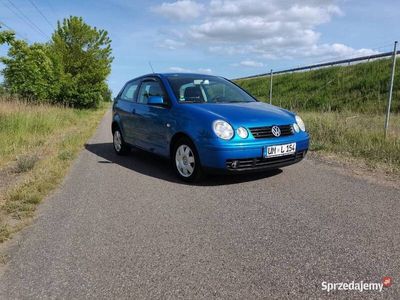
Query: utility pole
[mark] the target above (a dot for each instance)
(270, 87)
(390, 89)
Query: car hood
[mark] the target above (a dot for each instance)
(246, 114)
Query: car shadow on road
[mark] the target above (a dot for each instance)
(159, 167)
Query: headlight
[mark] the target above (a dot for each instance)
(223, 130)
(296, 127)
(300, 122)
(242, 132)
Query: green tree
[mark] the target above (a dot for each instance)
(30, 71)
(84, 53)
(6, 37)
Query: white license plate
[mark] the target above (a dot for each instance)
(279, 150)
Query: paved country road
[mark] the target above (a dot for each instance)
(124, 227)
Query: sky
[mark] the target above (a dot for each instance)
(232, 38)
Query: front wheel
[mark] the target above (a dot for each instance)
(186, 161)
(120, 147)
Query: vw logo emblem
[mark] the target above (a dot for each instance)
(276, 131)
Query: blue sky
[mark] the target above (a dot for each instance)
(229, 38)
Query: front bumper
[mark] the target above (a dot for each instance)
(248, 156)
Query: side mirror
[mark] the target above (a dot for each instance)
(155, 100)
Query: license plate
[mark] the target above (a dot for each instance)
(279, 150)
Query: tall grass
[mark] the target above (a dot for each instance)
(355, 135)
(361, 87)
(25, 127)
(39, 142)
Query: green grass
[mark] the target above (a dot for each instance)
(356, 135)
(39, 143)
(343, 108)
(24, 127)
(361, 87)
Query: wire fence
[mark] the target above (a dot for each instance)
(364, 84)
(326, 64)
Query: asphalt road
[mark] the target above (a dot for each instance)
(124, 227)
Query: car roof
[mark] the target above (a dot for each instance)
(177, 75)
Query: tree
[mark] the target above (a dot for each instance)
(6, 37)
(71, 69)
(85, 55)
(30, 72)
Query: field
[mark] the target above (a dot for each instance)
(343, 108)
(355, 135)
(360, 88)
(37, 145)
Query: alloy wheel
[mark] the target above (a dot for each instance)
(117, 139)
(185, 160)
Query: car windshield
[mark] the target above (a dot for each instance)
(206, 89)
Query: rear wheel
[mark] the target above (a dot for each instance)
(186, 161)
(120, 147)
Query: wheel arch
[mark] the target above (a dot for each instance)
(114, 126)
(176, 137)
(116, 123)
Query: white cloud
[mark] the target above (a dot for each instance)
(274, 29)
(184, 70)
(250, 63)
(337, 51)
(171, 44)
(205, 70)
(180, 10)
(180, 70)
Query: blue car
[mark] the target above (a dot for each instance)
(205, 123)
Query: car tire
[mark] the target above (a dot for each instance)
(185, 161)
(120, 147)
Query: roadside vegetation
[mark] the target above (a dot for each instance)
(347, 134)
(37, 145)
(71, 69)
(359, 88)
(53, 96)
(344, 109)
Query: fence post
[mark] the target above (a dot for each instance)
(390, 89)
(270, 87)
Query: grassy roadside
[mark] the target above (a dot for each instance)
(343, 108)
(359, 88)
(37, 145)
(352, 135)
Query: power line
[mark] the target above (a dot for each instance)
(16, 33)
(40, 12)
(51, 8)
(26, 18)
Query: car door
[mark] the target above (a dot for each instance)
(125, 108)
(153, 121)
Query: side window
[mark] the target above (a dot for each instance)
(128, 93)
(148, 89)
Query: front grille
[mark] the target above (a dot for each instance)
(259, 163)
(266, 132)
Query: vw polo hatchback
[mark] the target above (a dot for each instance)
(205, 123)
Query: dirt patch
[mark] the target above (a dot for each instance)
(7, 177)
(377, 174)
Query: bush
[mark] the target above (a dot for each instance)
(26, 163)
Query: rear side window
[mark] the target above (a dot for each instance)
(128, 93)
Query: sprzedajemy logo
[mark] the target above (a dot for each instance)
(360, 286)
